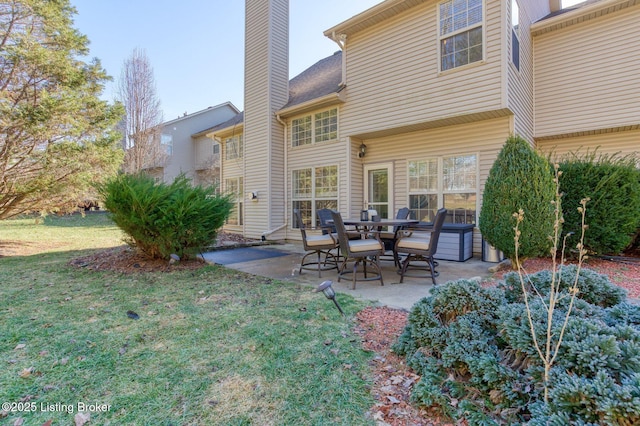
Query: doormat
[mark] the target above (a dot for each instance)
(244, 254)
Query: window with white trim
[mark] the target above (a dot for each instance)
(318, 127)
(233, 147)
(235, 187)
(515, 34)
(313, 189)
(450, 182)
(301, 131)
(460, 33)
(166, 140)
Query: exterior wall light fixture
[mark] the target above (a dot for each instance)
(363, 150)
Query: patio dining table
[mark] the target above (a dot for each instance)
(378, 224)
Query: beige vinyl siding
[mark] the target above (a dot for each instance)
(483, 138)
(520, 82)
(587, 76)
(393, 79)
(312, 156)
(624, 143)
(266, 91)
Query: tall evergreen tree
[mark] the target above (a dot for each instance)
(520, 178)
(56, 135)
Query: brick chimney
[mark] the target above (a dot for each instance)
(266, 90)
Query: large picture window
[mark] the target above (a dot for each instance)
(460, 33)
(235, 186)
(450, 182)
(313, 189)
(318, 127)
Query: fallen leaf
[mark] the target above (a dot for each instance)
(26, 372)
(20, 346)
(81, 418)
(393, 399)
(18, 422)
(388, 389)
(47, 423)
(396, 379)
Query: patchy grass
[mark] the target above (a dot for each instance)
(35, 234)
(210, 346)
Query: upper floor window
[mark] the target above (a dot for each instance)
(460, 33)
(318, 127)
(450, 182)
(166, 140)
(233, 147)
(326, 125)
(515, 33)
(301, 131)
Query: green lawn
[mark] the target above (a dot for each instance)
(210, 347)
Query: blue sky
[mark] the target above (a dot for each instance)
(196, 46)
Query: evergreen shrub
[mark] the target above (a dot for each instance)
(520, 178)
(162, 219)
(473, 349)
(613, 185)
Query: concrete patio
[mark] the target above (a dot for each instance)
(282, 261)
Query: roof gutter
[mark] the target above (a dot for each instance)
(341, 41)
(578, 15)
(330, 99)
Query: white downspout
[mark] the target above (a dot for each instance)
(341, 41)
(286, 152)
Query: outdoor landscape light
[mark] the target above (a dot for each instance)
(363, 150)
(328, 291)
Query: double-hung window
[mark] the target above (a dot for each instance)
(313, 189)
(318, 127)
(233, 147)
(460, 33)
(166, 140)
(235, 187)
(450, 182)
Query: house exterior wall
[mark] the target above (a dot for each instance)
(266, 91)
(519, 88)
(182, 160)
(587, 76)
(624, 143)
(483, 138)
(393, 78)
(207, 164)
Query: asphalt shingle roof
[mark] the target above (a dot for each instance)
(320, 79)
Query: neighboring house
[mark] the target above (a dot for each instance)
(419, 101)
(188, 150)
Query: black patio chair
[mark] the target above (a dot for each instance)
(389, 238)
(318, 245)
(421, 246)
(365, 250)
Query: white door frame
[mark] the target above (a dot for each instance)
(378, 166)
